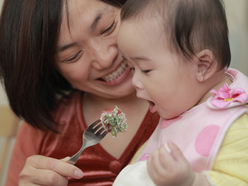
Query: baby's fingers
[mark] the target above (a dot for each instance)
(176, 152)
(159, 162)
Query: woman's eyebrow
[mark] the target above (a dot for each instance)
(62, 48)
(92, 27)
(96, 20)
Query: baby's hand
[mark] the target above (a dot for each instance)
(170, 168)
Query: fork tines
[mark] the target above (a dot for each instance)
(98, 127)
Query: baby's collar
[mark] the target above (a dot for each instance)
(230, 96)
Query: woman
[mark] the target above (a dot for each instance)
(61, 68)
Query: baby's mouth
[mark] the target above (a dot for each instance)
(114, 75)
(153, 108)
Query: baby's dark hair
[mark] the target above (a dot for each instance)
(190, 25)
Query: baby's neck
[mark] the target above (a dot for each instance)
(216, 86)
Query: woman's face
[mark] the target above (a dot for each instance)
(88, 56)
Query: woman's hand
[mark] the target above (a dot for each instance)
(170, 168)
(41, 170)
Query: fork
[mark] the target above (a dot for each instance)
(92, 135)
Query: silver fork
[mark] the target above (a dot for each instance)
(92, 135)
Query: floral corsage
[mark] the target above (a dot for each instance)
(226, 97)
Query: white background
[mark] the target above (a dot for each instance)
(237, 15)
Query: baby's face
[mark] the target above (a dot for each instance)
(160, 75)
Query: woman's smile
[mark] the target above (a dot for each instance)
(116, 77)
(117, 73)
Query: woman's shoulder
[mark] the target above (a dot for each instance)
(71, 99)
(70, 104)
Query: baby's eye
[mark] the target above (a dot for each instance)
(145, 71)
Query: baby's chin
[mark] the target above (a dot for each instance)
(167, 116)
(163, 114)
(152, 107)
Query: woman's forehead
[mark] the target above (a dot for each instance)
(80, 19)
(88, 11)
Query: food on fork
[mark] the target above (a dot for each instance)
(114, 121)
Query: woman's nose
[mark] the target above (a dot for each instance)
(104, 56)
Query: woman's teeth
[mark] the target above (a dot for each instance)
(114, 75)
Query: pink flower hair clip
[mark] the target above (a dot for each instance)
(226, 97)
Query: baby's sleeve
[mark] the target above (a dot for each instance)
(231, 164)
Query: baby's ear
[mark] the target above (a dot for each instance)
(206, 65)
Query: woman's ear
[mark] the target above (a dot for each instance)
(206, 65)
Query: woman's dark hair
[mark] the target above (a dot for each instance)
(190, 25)
(28, 37)
(116, 3)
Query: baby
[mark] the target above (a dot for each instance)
(179, 52)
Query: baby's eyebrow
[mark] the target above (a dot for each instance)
(140, 58)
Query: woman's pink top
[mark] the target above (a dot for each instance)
(99, 167)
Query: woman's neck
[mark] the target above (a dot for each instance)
(135, 110)
(93, 106)
(109, 102)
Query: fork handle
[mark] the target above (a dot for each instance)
(75, 157)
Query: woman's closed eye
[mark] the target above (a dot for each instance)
(109, 29)
(74, 57)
